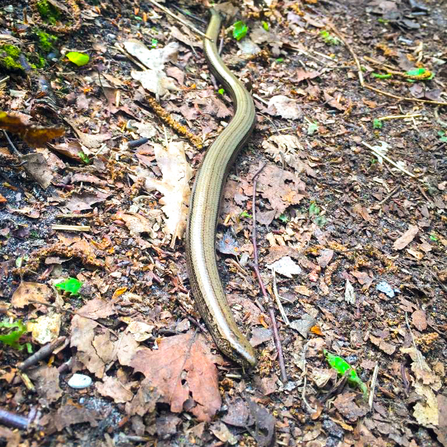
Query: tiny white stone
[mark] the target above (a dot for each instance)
(79, 381)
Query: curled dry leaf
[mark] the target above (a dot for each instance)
(284, 107)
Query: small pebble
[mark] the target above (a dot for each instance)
(79, 381)
(386, 289)
(9, 9)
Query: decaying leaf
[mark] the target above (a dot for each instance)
(30, 291)
(284, 107)
(182, 368)
(35, 136)
(286, 267)
(45, 328)
(406, 238)
(174, 186)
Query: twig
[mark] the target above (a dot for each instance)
(184, 22)
(404, 98)
(70, 227)
(14, 149)
(42, 353)
(396, 117)
(391, 194)
(373, 386)
(388, 159)
(282, 366)
(354, 56)
(278, 301)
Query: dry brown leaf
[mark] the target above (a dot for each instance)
(35, 136)
(37, 167)
(181, 368)
(349, 408)
(284, 107)
(288, 149)
(419, 320)
(145, 400)
(47, 384)
(127, 348)
(112, 387)
(94, 351)
(174, 186)
(406, 238)
(302, 74)
(388, 348)
(97, 308)
(30, 291)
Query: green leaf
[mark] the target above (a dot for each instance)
(314, 209)
(71, 285)
(433, 238)
(343, 368)
(245, 214)
(221, 91)
(265, 25)
(10, 337)
(80, 59)
(239, 30)
(280, 59)
(381, 76)
(84, 157)
(328, 38)
(377, 124)
(154, 43)
(283, 218)
(312, 128)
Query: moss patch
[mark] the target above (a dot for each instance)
(48, 12)
(9, 57)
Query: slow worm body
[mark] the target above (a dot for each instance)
(206, 196)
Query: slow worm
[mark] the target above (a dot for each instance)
(206, 196)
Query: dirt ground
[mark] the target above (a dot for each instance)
(97, 158)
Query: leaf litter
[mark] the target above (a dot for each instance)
(363, 240)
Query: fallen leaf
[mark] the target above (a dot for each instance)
(46, 380)
(30, 291)
(238, 413)
(349, 408)
(144, 401)
(36, 166)
(113, 388)
(284, 107)
(303, 325)
(85, 200)
(406, 238)
(325, 257)
(182, 368)
(302, 74)
(221, 432)
(419, 320)
(96, 309)
(174, 186)
(45, 328)
(426, 412)
(286, 267)
(167, 425)
(388, 348)
(35, 136)
(349, 293)
(288, 149)
(264, 422)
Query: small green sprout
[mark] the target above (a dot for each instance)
(70, 285)
(442, 136)
(312, 128)
(84, 157)
(328, 38)
(314, 209)
(245, 214)
(377, 124)
(266, 26)
(343, 368)
(154, 43)
(10, 337)
(283, 218)
(221, 91)
(239, 30)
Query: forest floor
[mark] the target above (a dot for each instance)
(97, 160)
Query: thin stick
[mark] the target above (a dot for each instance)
(404, 98)
(184, 22)
(354, 56)
(42, 353)
(70, 227)
(391, 194)
(278, 301)
(388, 159)
(373, 386)
(282, 366)
(397, 117)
